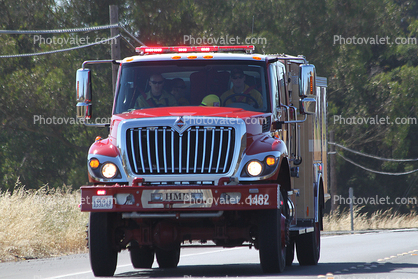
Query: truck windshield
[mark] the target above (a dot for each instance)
(192, 83)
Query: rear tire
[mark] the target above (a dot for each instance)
(141, 257)
(103, 257)
(308, 247)
(168, 259)
(271, 241)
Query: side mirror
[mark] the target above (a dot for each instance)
(84, 111)
(308, 106)
(84, 94)
(307, 82)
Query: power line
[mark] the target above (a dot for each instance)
(132, 36)
(372, 156)
(378, 172)
(72, 30)
(127, 41)
(59, 50)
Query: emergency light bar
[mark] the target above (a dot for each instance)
(185, 49)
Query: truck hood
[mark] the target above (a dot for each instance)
(253, 127)
(189, 111)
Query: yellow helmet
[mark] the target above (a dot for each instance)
(211, 101)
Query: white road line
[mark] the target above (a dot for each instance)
(209, 252)
(126, 265)
(68, 275)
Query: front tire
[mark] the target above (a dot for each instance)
(103, 257)
(271, 241)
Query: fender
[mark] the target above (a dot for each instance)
(283, 174)
(265, 143)
(104, 147)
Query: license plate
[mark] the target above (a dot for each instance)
(180, 198)
(102, 202)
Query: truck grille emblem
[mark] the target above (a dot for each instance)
(180, 125)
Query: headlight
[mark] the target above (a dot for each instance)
(254, 168)
(109, 170)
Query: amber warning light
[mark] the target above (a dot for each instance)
(186, 49)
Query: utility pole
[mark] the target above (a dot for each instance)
(115, 46)
(333, 173)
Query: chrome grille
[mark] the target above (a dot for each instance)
(198, 150)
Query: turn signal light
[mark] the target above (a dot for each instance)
(94, 163)
(270, 161)
(311, 89)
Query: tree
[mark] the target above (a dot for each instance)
(37, 98)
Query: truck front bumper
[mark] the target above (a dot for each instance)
(174, 199)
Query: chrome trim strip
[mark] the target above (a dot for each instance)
(196, 144)
(140, 149)
(204, 149)
(180, 144)
(149, 151)
(133, 150)
(156, 149)
(165, 149)
(127, 215)
(220, 148)
(227, 150)
(188, 150)
(172, 150)
(212, 151)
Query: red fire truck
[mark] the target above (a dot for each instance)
(246, 168)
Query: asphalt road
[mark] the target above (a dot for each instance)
(377, 255)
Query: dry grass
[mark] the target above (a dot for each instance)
(341, 221)
(40, 223)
